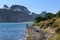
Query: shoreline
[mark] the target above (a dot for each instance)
(16, 22)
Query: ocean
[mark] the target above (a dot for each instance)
(13, 31)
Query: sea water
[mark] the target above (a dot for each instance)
(13, 31)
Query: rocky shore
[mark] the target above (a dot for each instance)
(44, 30)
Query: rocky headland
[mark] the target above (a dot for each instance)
(44, 30)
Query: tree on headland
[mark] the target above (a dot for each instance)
(14, 6)
(49, 16)
(17, 7)
(6, 7)
(46, 17)
(38, 19)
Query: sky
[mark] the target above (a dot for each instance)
(36, 6)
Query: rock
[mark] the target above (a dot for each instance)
(33, 34)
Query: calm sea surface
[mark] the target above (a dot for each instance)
(13, 31)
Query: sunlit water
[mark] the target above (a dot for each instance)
(13, 31)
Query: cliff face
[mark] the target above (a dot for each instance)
(44, 30)
(15, 16)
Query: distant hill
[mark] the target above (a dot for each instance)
(16, 13)
(43, 13)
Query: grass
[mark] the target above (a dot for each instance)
(56, 37)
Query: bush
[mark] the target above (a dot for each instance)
(38, 19)
(58, 14)
(58, 30)
(49, 16)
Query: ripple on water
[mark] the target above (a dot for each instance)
(12, 31)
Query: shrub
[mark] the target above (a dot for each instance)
(58, 14)
(49, 16)
(58, 30)
(38, 19)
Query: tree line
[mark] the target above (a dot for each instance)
(47, 16)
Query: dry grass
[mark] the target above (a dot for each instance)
(50, 25)
(56, 37)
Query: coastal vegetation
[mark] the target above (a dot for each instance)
(48, 27)
(47, 16)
